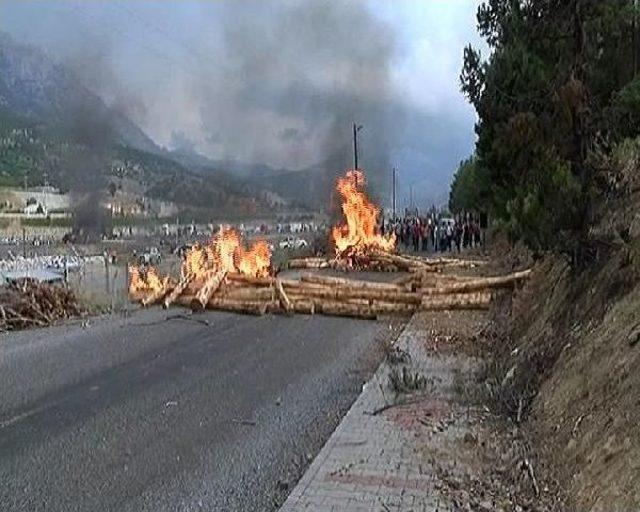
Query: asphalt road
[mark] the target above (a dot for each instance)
(149, 414)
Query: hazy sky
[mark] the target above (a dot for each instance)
(275, 81)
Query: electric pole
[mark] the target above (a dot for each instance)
(394, 192)
(356, 129)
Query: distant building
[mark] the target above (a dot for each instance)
(35, 208)
(49, 197)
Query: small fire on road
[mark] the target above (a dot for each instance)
(224, 253)
(145, 280)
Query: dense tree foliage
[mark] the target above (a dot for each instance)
(466, 189)
(559, 80)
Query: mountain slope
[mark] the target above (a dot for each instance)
(35, 87)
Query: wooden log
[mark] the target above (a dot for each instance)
(340, 294)
(400, 261)
(251, 280)
(456, 301)
(351, 283)
(445, 262)
(439, 280)
(282, 297)
(405, 280)
(249, 307)
(330, 299)
(156, 296)
(381, 307)
(305, 307)
(247, 293)
(310, 263)
(177, 290)
(348, 310)
(483, 283)
(209, 287)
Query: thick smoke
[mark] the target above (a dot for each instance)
(90, 124)
(292, 79)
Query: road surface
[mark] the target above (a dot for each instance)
(145, 413)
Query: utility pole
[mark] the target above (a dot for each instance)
(394, 192)
(356, 129)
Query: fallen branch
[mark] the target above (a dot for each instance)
(282, 297)
(532, 476)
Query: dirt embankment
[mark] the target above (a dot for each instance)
(566, 360)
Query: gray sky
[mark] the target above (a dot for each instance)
(277, 82)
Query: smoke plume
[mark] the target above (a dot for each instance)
(91, 125)
(290, 80)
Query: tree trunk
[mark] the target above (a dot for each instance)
(479, 284)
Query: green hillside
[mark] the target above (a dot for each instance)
(32, 153)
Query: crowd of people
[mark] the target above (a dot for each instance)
(436, 234)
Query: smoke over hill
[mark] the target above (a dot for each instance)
(291, 78)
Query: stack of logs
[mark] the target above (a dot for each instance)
(382, 261)
(27, 303)
(423, 289)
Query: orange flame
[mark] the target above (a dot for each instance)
(145, 280)
(256, 260)
(225, 251)
(360, 230)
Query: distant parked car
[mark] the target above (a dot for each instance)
(182, 249)
(150, 256)
(292, 243)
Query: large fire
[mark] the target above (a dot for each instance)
(360, 233)
(223, 252)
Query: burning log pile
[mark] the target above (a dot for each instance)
(225, 275)
(28, 303)
(338, 296)
(359, 246)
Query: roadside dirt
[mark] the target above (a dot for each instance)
(493, 467)
(565, 352)
(565, 359)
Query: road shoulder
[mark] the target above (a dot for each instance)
(430, 446)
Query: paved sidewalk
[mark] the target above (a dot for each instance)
(393, 460)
